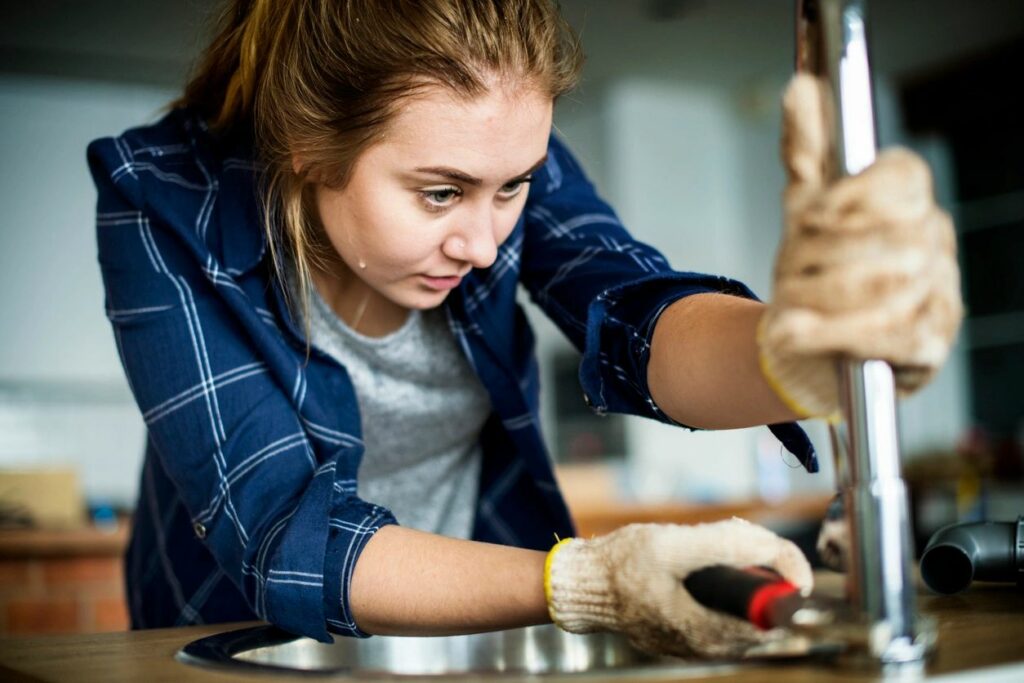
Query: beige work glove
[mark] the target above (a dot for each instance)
(867, 267)
(631, 581)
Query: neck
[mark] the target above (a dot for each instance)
(356, 303)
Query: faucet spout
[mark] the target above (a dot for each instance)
(831, 43)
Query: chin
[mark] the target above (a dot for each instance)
(424, 301)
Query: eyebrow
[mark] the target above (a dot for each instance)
(456, 174)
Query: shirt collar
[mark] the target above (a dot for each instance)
(241, 231)
(240, 234)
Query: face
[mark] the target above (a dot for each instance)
(436, 196)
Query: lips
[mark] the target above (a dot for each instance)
(442, 283)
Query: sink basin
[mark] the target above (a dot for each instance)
(534, 651)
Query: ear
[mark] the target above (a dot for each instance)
(299, 166)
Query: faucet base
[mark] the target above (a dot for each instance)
(832, 629)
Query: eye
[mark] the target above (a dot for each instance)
(438, 198)
(514, 187)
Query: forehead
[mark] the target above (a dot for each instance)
(493, 136)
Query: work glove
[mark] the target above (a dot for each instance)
(631, 581)
(833, 543)
(867, 267)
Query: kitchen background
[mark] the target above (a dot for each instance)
(677, 121)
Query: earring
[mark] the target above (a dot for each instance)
(362, 264)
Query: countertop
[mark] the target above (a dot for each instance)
(983, 627)
(84, 541)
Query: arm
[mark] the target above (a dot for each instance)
(610, 293)
(604, 289)
(607, 293)
(409, 582)
(269, 486)
(717, 383)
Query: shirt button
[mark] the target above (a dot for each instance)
(200, 530)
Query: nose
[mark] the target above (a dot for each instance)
(474, 239)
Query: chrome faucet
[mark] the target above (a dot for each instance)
(831, 43)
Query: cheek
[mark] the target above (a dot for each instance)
(504, 230)
(396, 235)
(401, 246)
(507, 223)
(374, 228)
(337, 218)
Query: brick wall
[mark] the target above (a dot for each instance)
(61, 595)
(62, 582)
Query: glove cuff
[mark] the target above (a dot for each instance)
(577, 587)
(806, 385)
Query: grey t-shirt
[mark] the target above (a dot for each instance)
(422, 408)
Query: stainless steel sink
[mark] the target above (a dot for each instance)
(535, 651)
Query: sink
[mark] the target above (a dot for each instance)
(534, 651)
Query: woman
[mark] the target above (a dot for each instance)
(311, 266)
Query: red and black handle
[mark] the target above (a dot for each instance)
(756, 594)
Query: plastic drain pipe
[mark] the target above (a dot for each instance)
(977, 551)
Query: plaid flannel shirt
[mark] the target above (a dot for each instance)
(248, 504)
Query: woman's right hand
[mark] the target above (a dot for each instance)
(867, 267)
(631, 581)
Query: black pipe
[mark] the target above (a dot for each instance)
(983, 551)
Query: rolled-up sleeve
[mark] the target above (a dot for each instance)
(278, 512)
(604, 289)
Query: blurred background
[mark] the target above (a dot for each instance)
(676, 121)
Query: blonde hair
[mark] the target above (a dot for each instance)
(319, 80)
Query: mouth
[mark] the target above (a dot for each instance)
(441, 283)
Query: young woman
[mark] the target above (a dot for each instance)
(311, 265)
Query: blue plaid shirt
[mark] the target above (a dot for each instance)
(248, 504)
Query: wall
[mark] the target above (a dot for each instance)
(63, 398)
(679, 100)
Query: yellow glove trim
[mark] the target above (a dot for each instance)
(773, 381)
(547, 574)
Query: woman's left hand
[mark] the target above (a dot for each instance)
(632, 580)
(867, 267)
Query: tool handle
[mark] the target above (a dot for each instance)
(749, 593)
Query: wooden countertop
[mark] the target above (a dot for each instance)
(983, 627)
(83, 541)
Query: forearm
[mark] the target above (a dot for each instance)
(408, 582)
(704, 369)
